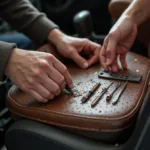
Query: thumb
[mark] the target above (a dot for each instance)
(80, 60)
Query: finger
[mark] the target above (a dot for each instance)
(110, 51)
(114, 66)
(36, 96)
(93, 60)
(50, 78)
(95, 56)
(79, 60)
(89, 46)
(51, 85)
(123, 61)
(103, 58)
(57, 77)
(64, 71)
(42, 91)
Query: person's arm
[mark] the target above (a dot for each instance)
(138, 10)
(25, 18)
(122, 35)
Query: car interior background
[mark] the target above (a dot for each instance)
(62, 13)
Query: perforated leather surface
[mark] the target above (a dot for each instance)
(68, 111)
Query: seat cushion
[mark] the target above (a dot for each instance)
(68, 112)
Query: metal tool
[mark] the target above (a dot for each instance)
(90, 93)
(117, 76)
(108, 98)
(97, 99)
(68, 90)
(116, 97)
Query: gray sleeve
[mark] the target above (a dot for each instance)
(25, 18)
(5, 50)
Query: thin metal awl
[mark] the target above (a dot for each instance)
(97, 99)
(116, 97)
(108, 98)
(68, 90)
(90, 93)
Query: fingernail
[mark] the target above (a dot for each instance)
(85, 65)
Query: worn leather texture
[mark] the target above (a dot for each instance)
(67, 111)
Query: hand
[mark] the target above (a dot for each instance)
(52, 50)
(37, 73)
(117, 43)
(75, 48)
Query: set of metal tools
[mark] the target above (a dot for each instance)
(86, 97)
(104, 90)
(114, 98)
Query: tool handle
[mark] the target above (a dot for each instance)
(116, 98)
(90, 93)
(94, 103)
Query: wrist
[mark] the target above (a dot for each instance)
(11, 60)
(54, 36)
(135, 16)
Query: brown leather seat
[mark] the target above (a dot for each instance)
(105, 121)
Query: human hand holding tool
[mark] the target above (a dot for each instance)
(44, 79)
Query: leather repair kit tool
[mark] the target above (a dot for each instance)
(117, 96)
(98, 98)
(120, 77)
(90, 93)
(74, 92)
(68, 90)
(109, 96)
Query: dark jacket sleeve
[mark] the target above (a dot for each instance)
(5, 51)
(26, 19)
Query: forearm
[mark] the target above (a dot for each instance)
(138, 10)
(27, 19)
